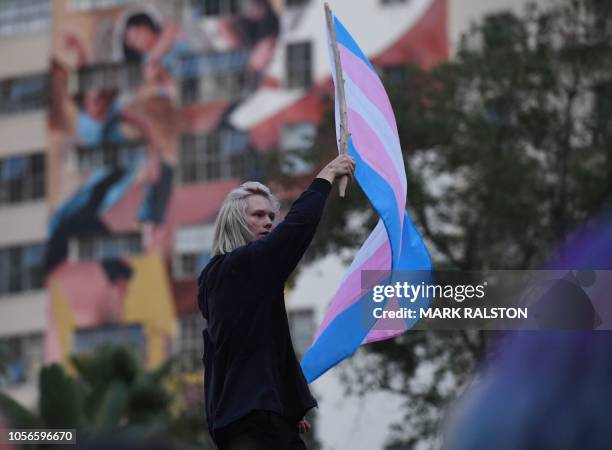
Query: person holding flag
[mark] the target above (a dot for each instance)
(256, 395)
(256, 392)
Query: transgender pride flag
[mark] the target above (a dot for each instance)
(395, 243)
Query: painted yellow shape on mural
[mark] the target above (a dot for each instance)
(149, 297)
(158, 346)
(64, 321)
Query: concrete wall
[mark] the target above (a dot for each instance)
(23, 223)
(26, 311)
(24, 54)
(23, 133)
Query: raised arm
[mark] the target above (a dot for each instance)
(275, 256)
(169, 34)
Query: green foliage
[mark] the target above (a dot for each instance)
(108, 415)
(61, 399)
(20, 417)
(110, 393)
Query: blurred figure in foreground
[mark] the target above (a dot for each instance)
(546, 390)
(127, 442)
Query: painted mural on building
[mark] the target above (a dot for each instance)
(158, 110)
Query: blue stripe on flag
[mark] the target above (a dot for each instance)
(414, 253)
(343, 37)
(347, 331)
(338, 341)
(382, 198)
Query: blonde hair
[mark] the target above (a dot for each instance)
(231, 228)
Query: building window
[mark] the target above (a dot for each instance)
(214, 7)
(298, 136)
(290, 3)
(302, 327)
(214, 76)
(210, 88)
(193, 248)
(296, 141)
(299, 65)
(86, 5)
(21, 358)
(23, 94)
(190, 348)
(118, 156)
(187, 266)
(109, 77)
(214, 156)
(22, 179)
(190, 90)
(98, 248)
(21, 268)
(87, 340)
(395, 75)
(192, 65)
(24, 16)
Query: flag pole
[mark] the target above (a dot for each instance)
(343, 148)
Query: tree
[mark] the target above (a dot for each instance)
(510, 148)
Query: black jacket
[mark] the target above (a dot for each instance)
(249, 359)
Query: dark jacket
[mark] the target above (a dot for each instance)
(249, 359)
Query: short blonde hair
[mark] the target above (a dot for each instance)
(231, 228)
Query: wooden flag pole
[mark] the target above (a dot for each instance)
(344, 136)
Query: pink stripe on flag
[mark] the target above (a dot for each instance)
(374, 153)
(350, 290)
(377, 237)
(369, 83)
(386, 328)
(381, 335)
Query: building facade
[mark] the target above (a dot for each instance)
(123, 125)
(25, 28)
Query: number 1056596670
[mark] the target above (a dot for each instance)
(38, 435)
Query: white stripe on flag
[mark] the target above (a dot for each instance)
(358, 102)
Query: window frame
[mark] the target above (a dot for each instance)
(92, 5)
(103, 247)
(220, 9)
(30, 186)
(16, 274)
(189, 344)
(121, 156)
(24, 17)
(213, 76)
(296, 3)
(111, 77)
(299, 67)
(203, 158)
(29, 102)
(24, 350)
